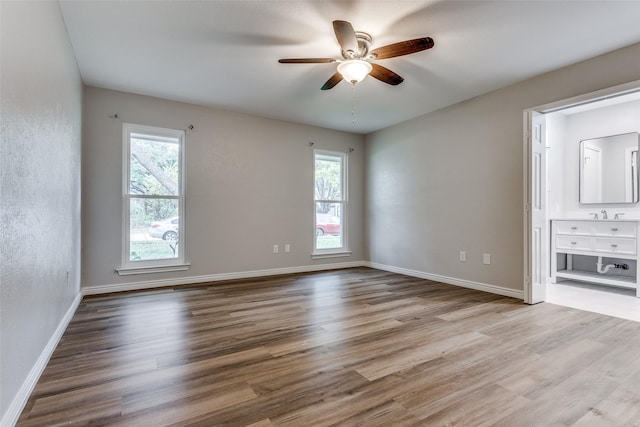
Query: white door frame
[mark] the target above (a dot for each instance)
(527, 114)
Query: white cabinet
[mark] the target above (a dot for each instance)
(597, 239)
(616, 228)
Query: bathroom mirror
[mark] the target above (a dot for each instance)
(609, 169)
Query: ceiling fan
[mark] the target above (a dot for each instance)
(356, 62)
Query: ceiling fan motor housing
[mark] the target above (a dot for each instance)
(364, 41)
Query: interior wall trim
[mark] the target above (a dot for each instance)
(160, 283)
(485, 287)
(18, 403)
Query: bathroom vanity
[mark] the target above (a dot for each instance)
(599, 243)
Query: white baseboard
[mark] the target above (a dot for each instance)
(148, 284)
(18, 403)
(493, 289)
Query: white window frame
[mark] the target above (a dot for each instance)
(342, 251)
(159, 265)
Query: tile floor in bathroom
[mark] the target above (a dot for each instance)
(608, 300)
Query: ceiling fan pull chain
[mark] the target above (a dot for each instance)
(353, 103)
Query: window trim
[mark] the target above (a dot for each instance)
(127, 266)
(342, 251)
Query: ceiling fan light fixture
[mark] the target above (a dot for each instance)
(354, 70)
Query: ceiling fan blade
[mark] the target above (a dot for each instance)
(385, 75)
(346, 36)
(307, 61)
(334, 80)
(403, 48)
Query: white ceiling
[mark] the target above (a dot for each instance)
(225, 53)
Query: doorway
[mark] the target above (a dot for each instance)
(549, 161)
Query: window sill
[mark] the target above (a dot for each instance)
(128, 271)
(337, 254)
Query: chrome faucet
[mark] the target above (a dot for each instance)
(617, 216)
(595, 215)
(604, 214)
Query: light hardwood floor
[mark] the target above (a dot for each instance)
(348, 347)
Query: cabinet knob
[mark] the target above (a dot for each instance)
(574, 228)
(614, 246)
(574, 243)
(614, 229)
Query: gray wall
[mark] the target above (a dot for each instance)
(40, 187)
(452, 180)
(249, 186)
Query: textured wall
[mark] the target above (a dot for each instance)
(40, 185)
(452, 180)
(249, 186)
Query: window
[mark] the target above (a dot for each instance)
(330, 198)
(153, 205)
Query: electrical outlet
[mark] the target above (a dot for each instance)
(463, 256)
(275, 249)
(287, 248)
(486, 259)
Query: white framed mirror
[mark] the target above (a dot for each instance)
(609, 169)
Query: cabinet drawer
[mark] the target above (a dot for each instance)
(574, 227)
(615, 246)
(618, 229)
(576, 243)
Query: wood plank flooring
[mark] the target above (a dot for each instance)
(349, 347)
